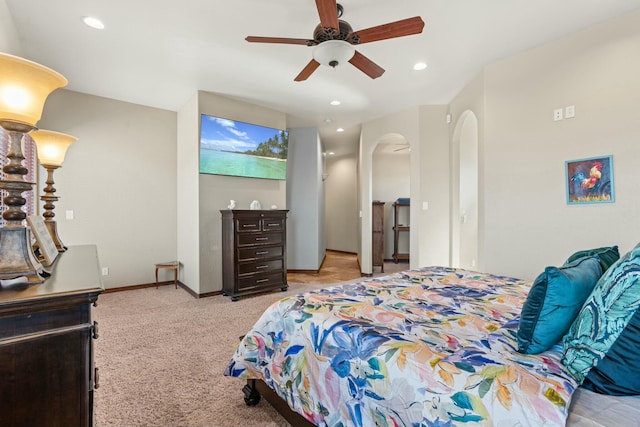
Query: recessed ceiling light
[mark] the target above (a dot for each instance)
(340, 130)
(335, 102)
(331, 153)
(327, 120)
(93, 22)
(419, 66)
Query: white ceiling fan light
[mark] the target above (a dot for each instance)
(333, 52)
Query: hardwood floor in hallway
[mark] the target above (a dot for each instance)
(339, 267)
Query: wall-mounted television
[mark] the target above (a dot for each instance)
(230, 147)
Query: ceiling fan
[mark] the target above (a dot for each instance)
(334, 39)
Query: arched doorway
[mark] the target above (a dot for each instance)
(391, 180)
(464, 221)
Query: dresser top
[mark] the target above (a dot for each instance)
(74, 272)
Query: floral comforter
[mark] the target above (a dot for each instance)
(428, 347)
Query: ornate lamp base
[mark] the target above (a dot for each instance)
(17, 256)
(53, 231)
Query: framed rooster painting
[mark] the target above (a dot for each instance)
(590, 180)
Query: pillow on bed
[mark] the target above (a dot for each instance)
(609, 315)
(607, 255)
(618, 373)
(554, 301)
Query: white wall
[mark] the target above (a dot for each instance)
(119, 178)
(528, 224)
(216, 191)
(341, 203)
(390, 181)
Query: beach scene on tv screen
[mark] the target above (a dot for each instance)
(229, 147)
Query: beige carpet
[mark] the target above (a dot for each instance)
(161, 357)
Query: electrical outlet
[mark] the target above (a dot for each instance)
(69, 214)
(569, 111)
(557, 114)
(105, 271)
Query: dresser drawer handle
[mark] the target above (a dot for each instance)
(96, 379)
(261, 267)
(95, 330)
(261, 238)
(262, 280)
(274, 225)
(248, 225)
(262, 253)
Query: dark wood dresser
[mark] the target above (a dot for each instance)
(254, 251)
(47, 375)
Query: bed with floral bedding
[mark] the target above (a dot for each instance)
(427, 347)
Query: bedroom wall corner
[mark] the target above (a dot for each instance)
(119, 179)
(529, 224)
(305, 200)
(187, 194)
(433, 164)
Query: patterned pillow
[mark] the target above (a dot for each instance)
(607, 255)
(554, 301)
(603, 318)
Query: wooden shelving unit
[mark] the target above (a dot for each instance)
(397, 229)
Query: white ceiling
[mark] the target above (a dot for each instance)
(160, 52)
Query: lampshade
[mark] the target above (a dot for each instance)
(24, 86)
(333, 52)
(52, 146)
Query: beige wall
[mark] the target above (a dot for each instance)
(9, 42)
(341, 202)
(527, 223)
(188, 197)
(119, 179)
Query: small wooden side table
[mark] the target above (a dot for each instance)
(171, 265)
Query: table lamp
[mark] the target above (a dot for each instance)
(24, 87)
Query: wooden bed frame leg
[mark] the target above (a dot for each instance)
(251, 395)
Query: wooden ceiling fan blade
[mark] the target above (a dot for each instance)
(366, 65)
(307, 71)
(328, 12)
(282, 40)
(404, 27)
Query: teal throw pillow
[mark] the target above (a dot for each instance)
(554, 301)
(605, 315)
(607, 255)
(618, 373)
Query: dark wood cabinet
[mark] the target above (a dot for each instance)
(47, 375)
(377, 237)
(398, 228)
(254, 251)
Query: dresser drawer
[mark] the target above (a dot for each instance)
(259, 239)
(261, 281)
(259, 266)
(259, 253)
(272, 224)
(248, 224)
